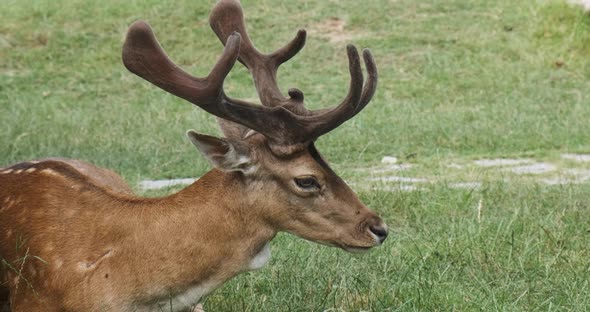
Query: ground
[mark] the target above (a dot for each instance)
(483, 105)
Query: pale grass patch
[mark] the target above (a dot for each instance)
(584, 3)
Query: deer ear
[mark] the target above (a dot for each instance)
(224, 154)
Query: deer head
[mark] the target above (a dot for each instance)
(269, 148)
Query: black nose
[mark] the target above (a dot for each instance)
(380, 231)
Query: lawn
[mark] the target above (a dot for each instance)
(460, 81)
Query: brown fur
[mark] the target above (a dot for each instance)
(76, 245)
(70, 242)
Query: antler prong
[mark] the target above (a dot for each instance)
(290, 50)
(226, 61)
(371, 83)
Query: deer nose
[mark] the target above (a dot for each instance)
(380, 231)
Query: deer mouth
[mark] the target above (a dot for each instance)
(376, 240)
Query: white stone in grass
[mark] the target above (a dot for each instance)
(465, 185)
(571, 176)
(160, 184)
(577, 157)
(501, 162)
(397, 188)
(584, 3)
(558, 181)
(389, 160)
(455, 166)
(581, 175)
(536, 168)
(399, 179)
(390, 168)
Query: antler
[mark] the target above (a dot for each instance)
(284, 121)
(143, 56)
(227, 17)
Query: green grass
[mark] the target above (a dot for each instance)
(529, 252)
(459, 80)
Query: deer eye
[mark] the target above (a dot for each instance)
(308, 183)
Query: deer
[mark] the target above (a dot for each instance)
(75, 237)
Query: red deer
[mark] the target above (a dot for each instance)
(74, 237)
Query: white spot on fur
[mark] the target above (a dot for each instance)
(30, 170)
(49, 248)
(83, 266)
(7, 171)
(91, 265)
(261, 258)
(58, 263)
(32, 270)
(158, 184)
(50, 172)
(18, 171)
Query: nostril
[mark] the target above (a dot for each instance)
(379, 231)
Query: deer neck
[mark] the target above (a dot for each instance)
(222, 204)
(202, 235)
(219, 217)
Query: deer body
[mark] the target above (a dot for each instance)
(179, 245)
(74, 237)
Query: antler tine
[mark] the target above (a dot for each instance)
(322, 121)
(285, 53)
(227, 17)
(371, 83)
(368, 89)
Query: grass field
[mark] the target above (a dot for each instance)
(460, 80)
